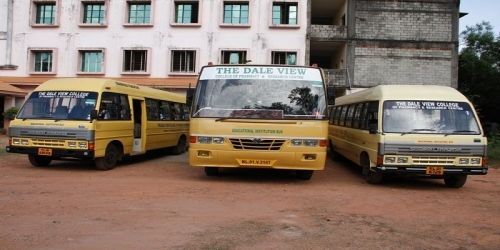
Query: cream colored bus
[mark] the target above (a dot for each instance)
(429, 131)
(97, 119)
(252, 116)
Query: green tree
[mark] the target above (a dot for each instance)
(479, 70)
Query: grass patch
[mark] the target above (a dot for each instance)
(494, 152)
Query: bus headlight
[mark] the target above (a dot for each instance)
(16, 141)
(402, 160)
(390, 159)
(218, 140)
(82, 145)
(72, 144)
(475, 161)
(204, 139)
(25, 142)
(296, 142)
(463, 161)
(311, 143)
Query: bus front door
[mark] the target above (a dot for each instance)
(139, 127)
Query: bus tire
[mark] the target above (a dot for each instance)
(304, 174)
(181, 146)
(371, 177)
(39, 161)
(110, 158)
(211, 171)
(455, 181)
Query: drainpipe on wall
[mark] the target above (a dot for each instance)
(10, 24)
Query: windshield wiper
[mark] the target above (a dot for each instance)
(460, 131)
(418, 130)
(222, 119)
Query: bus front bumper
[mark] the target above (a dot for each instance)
(56, 152)
(257, 159)
(423, 170)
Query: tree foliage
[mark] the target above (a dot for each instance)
(479, 70)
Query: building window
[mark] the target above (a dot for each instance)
(234, 57)
(186, 12)
(42, 61)
(94, 12)
(236, 12)
(45, 13)
(284, 58)
(285, 13)
(183, 61)
(91, 61)
(139, 12)
(135, 61)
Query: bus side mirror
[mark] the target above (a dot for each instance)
(373, 126)
(189, 96)
(330, 93)
(93, 115)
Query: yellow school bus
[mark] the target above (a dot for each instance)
(97, 119)
(430, 131)
(254, 116)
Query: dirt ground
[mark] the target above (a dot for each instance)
(158, 202)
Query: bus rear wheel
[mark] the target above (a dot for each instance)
(371, 177)
(211, 171)
(455, 181)
(304, 174)
(181, 146)
(39, 161)
(109, 160)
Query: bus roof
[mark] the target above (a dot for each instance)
(111, 85)
(403, 92)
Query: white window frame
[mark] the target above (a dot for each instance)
(286, 26)
(127, 13)
(174, 23)
(148, 61)
(34, 9)
(31, 61)
(297, 53)
(236, 25)
(79, 64)
(221, 58)
(82, 13)
(196, 64)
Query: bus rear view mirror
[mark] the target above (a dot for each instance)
(330, 93)
(189, 96)
(373, 126)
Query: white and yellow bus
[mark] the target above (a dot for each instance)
(253, 116)
(97, 119)
(400, 129)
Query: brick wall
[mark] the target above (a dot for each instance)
(404, 42)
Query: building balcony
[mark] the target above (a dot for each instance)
(320, 32)
(336, 77)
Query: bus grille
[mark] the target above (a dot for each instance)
(426, 160)
(254, 144)
(47, 143)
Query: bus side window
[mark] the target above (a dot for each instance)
(343, 115)
(372, 113)
(350, 115)
(165, 114)
(332, 114)
(114, 107)
(357, 115)
(336, 117)
(363, 119)
(152, 109)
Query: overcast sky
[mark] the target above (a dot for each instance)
(480, 10)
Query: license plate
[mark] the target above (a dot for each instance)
(254, 162)
(45, 151)
(434, 170)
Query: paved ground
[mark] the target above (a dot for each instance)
(158, 202)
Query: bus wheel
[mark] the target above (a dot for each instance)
(109, 160)
(371, 177)
(304, 174)
(181, 146)
(39, 161)
(211, 171)
(455, 181)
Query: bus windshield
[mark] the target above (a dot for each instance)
(430, 117)
(260, 92)
(59, 105)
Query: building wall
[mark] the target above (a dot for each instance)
(3, 31)
(208, 39)
(405, 42)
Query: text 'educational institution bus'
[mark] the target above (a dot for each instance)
(97, 119)
(422, 130)
(259, 117)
